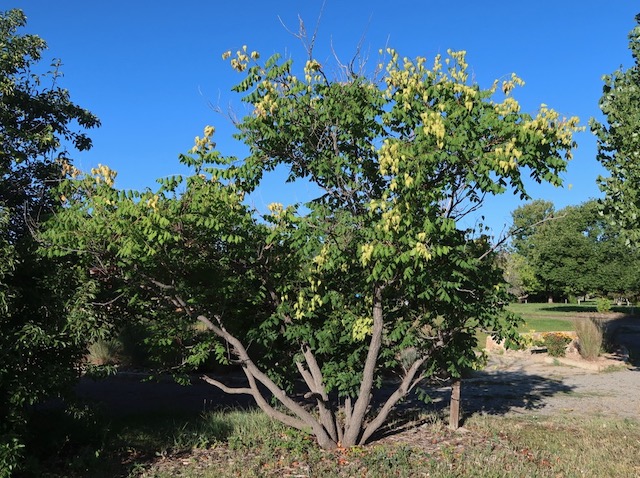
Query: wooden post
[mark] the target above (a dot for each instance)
(454, 412)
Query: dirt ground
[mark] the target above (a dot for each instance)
(512, 383)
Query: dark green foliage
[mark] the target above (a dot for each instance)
(619, 143)
(42, 324)
(574, 252)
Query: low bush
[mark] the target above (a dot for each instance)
(556, 343)
(590, 338)
(603, 305)
(105, 352)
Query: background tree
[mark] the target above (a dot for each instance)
(619, 143)
(526, 221)
(574, 253)
(564, 252)
(38, 347)
(519, 274)
(373, 278)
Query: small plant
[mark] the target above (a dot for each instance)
(590, 338)
(105, 352)
(603, 305)
(556, 343)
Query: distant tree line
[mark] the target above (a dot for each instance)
(569, 254)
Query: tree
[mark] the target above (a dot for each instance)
(574, 252)
(39, 347)
(371, 279)
(564, 252)
(619, 144)
(519, 274)
(527, 219)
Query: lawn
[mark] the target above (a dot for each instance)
(544, 317)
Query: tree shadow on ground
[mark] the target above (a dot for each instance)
(491, 393)
(623, 335)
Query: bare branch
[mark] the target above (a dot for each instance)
(109, 302)
(514, 232)
(253, 373)
(301, 34)
(225, 388)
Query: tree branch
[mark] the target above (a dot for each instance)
(253, 373)
(225, 388)
(402, 390)
(354, 425)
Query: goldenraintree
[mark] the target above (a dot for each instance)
(372, 280)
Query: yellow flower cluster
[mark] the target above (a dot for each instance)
(509, 85)
(321, 258)
(421, 250)
(104, 174)
(302, 306)
(152, 202)
(508, 106)
(366, 252)
(391, 220)
(311, 67)
(389, 158)
(548, 120)
(434, 125)
(507, 156)
(267, 103)
(204, 145)
(241, 60)
(68, 169)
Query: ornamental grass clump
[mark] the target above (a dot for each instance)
(590, 338)
(556, 343)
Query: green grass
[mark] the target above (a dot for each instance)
(561, 310)
(546, 325)
(544, 317)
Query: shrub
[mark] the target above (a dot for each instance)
(603, 305)
(105, 352)
(590, 338)
(556, 343)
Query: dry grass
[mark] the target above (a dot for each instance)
(104, 352)
(486, 447)
(590, 338)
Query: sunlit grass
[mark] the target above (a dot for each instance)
(489, 447)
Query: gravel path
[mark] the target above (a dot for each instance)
(517, 383)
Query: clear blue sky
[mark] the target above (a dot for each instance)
(151, 69)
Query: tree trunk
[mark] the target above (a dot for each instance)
(354, 426)
(454, 409)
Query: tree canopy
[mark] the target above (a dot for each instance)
(41, 339)
(619, 143)
(571, 252)
(374, 278)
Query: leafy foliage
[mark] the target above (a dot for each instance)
(42, 326)
(618, 142)
(375, 277)
(575, 251)
(556, 343)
